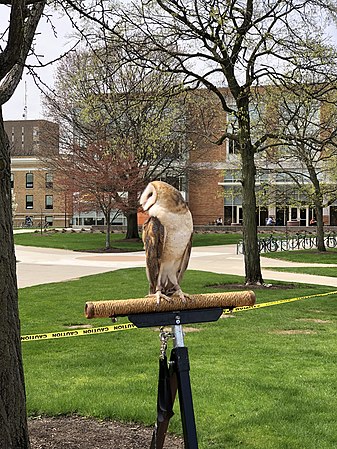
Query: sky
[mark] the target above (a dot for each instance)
(49, 47)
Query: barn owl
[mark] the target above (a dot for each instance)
(167, 237)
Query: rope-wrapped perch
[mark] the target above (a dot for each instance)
(101, 309)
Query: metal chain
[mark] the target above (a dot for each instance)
(164, 337)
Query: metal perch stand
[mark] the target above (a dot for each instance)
(173, 375)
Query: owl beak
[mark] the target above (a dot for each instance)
(142, 208)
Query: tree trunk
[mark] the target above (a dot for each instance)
(131, 216)
(318, 201)
(320, 228)
(13, 421)
(253, 273)
(108, 230)
(132, 226)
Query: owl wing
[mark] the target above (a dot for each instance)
(154, 239)
(184, 260)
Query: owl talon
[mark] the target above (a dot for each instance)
(159, 295)
(183, 296)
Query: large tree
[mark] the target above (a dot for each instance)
(23, 20)
(100, 179)
(130, 111)
(237, 44)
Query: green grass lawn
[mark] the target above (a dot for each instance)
(75, 241)
(264, 379)
(324, 271)
(91, 241)
(305, 255)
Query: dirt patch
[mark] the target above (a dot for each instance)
(293, 332)
(74, 432)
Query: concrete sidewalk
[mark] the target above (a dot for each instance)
(44, 265)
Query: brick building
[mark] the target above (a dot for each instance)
(214, 187)
(207, 161)
(35, 194)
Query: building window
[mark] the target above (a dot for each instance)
(36, 138)
(23, 137)
(29, 180)
(49, 202)
(49, 221)
(233, 146)
(49, 181)
(89, 221)
(293, 213)
(35, 133)
(29, 201)
(12, 180)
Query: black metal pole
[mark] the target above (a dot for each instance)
(177, 375)
(179, 356)
(181, 366)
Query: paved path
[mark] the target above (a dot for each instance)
(44, 265)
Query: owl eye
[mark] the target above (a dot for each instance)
(150, 194)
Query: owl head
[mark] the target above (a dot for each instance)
(159, 193)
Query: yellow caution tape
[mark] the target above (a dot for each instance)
(280, 301)
(128, 326)
(78, 332)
